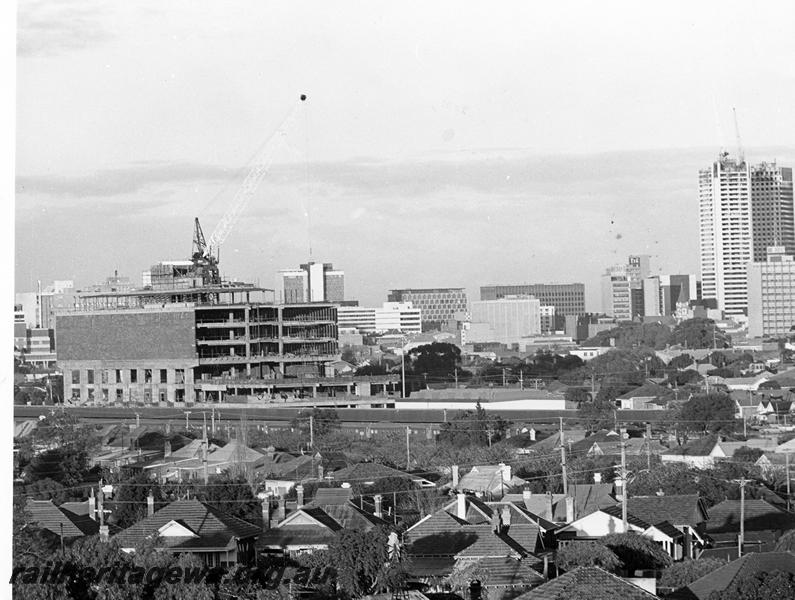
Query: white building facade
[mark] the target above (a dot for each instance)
(771, 294)
(509, 318)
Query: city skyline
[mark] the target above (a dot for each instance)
(133, 120)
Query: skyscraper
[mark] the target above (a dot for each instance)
(725, 241)
(438, 305)
(743, 210)
(771, 209)
(622, 288)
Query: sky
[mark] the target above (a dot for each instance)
(441, 144)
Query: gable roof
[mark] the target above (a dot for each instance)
(760, 515)
(591, 582)
(681, 509)
(737, 570)
(368, 471)
(490, 544)
(48, 516)
(328, 496)
(485, 478)
(499, 571)
(647, 390)
(632, 519)
(213, 527)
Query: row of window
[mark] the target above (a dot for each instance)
(115, 376)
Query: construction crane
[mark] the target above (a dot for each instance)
(205, 254)
(740, 150)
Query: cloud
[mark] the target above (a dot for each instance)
(121, 181)
(52, 28)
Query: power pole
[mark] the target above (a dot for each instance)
(786, 462)
(503, 377)
(563, 473)
(212, 417)
(624, 480)
(408, 453)
(648, 446)
(741, 539)
(521, 379)
(311, 432)
(187, 425)
(489, 434)
(403, 371)
(456, 378)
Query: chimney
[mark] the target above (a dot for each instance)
(455, 477)
(532, 434)
(320, 472)
(526, 495)
(496, 521)
(506, 472)
(92, 505)
(377, 500)
(100, 507)
(569, 509)
(167, 449)
(597, 478)
(461, 506)
(299, 490)
(688, 543)
(150, 504)
(266, 513)
(550, 511)
(506, 516)
(546, 566)
(280, 512)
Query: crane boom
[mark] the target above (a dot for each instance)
(740, 150)
(262, 164)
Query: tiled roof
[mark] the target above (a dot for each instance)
(210, 524)
(78, 508)
(648, 390)
(351, 517)
(587, 582)
(669, 530)
(681, 509)
(490, 544)
(759, 516)
(370, 472)
(617, 512)
(327, 496)
(507, 572)
(737, 570)
(430, 566)
(484, 478)
(48, 516)
(297, 535)
(439, 534)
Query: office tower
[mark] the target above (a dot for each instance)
(311, 282)
(437, 305)
(392, 316)
(622, 288)
(567, 298)
(651, 297)
(509, 318)
(772, 217)
(771, 294)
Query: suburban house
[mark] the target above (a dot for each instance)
(723, 578)
(313, 527)
(583, 499)
(59, 520)
(488, 480)
(280, 472)
(764, 524)
(649, 396)
(592, 583)
(193, 527)
(677, 523)
(468, 536)
(608, 443)
(368, 473)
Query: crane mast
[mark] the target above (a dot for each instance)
(205, 254)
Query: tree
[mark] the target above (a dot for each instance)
(432, 362)
(371, 370)
(759, 586)
(746, 455)
(598, 414)
(473, 428)
(699, 333)
(364, 563)
(577, 395)
(348, 355)
(324, 421)
(637, 552)
(683, 573)
(708, 413)
(587, 554)
(681, 362)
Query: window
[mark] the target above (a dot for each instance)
(147, 396)
(104, 394)
(163, 376)
(90, 376)
(162, 396)
(119, 395)
(147, 375)
(104, 376)
(179, 376)
(76, 377)
(133, 375)
(118, 376)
